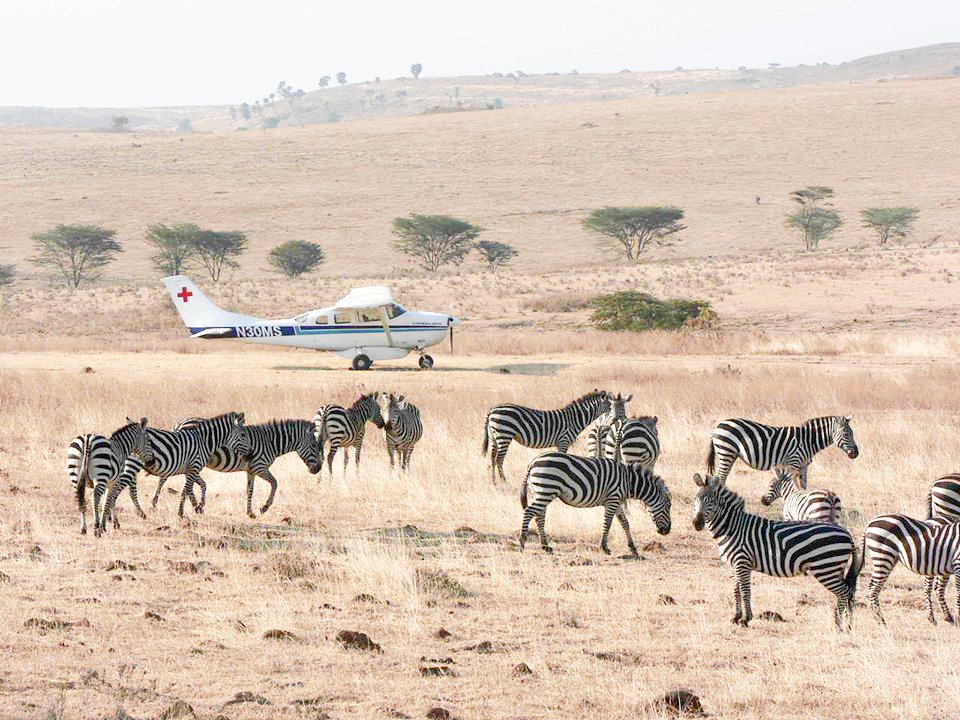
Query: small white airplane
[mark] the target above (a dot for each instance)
(364, 326)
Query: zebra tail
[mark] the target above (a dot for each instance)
(82, 473)
(486, 438)
(711, 458)
(856, 565)
(523, 494)
(930, 506)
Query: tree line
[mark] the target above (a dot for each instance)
(78, 253)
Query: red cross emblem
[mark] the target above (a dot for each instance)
(185, 294)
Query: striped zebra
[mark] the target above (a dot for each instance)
(96, 461)
(263, 443)
(187, 450)
(601, 429)
(928, 547)
(539, 428)
(634, 441)
(807, 505)
(944, 498)
(403, 429)
(764, 447)
(590, 482)
(345, 427)
(779, 548)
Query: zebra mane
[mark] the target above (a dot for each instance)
(728, 498)
(123, 431)
(645, 419)
(824, 419)
(592, 395)
(359, 400)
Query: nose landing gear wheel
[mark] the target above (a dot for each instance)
(426, 362)
(361, 362)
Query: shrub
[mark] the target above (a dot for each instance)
(637, 312)
(296, 257)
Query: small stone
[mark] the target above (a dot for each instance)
(245, 696)
(771, 616)
(679, 703)
(366, 598)
(437, 671)
(179, 709)
(120, 565)
(90, 677)
(88, 370)
(4, 577)
(391, 712)
(654, 546)
(666, 600)
(357, 641)
(442, 634)
(521, 670)
(156, 617)
(438, 713)
(280, 635)
(484, 648)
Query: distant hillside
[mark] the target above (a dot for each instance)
(406, 96)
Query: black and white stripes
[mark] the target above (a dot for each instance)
(403, 429)
(539, 428)
(809, 505)
(590, 482)
(345, 427)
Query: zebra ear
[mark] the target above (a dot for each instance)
(654, 420)
(628, 398)
(143, 422)
(130, 421)
(698, 479)
(848, 418)
(241, 418)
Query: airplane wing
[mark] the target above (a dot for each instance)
(370, 297)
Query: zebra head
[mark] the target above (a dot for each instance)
(778, 486)
(712, 503)
(650, 488)
(618, 408)
(237, 436)
(308, 447)
(135, 433)
(395, 403)
(843, 435)
(596, 404)
(368, 407)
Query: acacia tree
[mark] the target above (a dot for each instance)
(118, 123)
(814, 218)
(415, 70)
(495, 254)
(324, 81)
(635, 228)
(175, 246)
(434, 240)
(217, 250)
(296, 257)
(889, 222)
(342, 78)
(78, 252)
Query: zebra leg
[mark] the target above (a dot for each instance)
(622, 517)
(878, 577)
(250, 479)
(498, 454)
(356, 457)
(390, 453)
(330, 456)
(265, 474)
(609, 510)
(542, 529)
(528, 515)
(156, 495)
(737, 608)
(191, 477)
(928, 583)
(743, 576)
(98, 489)
(406, 458)
(346, 459)
(135, 497)
(203, 493)
(940, 583)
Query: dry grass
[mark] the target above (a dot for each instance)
(400, 544)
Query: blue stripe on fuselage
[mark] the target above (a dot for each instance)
(268, 331)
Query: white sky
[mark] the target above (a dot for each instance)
(173, 52)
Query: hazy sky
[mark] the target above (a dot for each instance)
(145, 52)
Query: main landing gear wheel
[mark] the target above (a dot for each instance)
(361, 362)
(426, 362)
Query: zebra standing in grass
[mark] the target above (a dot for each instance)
(591, 482)
(764, 447)
(776, 547)
(187, 450)
(97, 461)
(808, 505)
(403, 429)
(603, 427)
(539, 428)
(345, 427)
(944, 498)
(634, 441)
(928, 547)
(263, 443)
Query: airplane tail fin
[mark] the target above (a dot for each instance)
(197, 311)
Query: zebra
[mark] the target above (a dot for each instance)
(403, 429)
(928, 547)
(264, 443)
(601, 429)
(345, 427)
(186, 451)
(539, 428)
(634, 441)
(591, 482)
(780, 548)
(97, 461)
(764, 447)
(808, 505)
(943, 501)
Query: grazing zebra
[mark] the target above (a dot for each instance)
(764, 447)
(776, 547)
(403, 429)
(634, 441)
(264, 443)
(96, 461)
(808, 505)
(928, 547)
(601, 429)
(539, 428)
(345, 427)
(591, 482)
(187, 450)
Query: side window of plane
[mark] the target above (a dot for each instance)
(321, 320)
(369, 316)
(394, 310)
(343, 318)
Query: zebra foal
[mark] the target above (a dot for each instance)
(539, 428)
(345, 427)
(590, 482)
(764, 447)
(779, 548)
(809, 505)
(403, 429)
(97, 461)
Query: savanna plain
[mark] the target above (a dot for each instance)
(238, 618)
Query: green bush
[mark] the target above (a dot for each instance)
(637, 311)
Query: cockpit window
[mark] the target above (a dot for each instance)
(394, 310)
